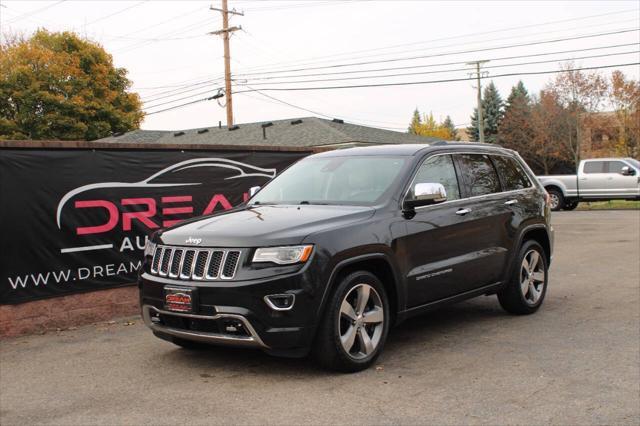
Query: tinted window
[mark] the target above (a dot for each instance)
(513, 176)
(333, 180)
(615, 166)
(594, 167)
(479, 174)
(438, 169)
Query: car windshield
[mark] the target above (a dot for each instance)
(635, 163)
(353, 180)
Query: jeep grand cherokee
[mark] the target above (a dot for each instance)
(344, 244)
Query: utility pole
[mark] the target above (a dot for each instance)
(479, 75)
(225, 32)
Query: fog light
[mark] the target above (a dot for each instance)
(280, 302)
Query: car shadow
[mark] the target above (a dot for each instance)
(404, 338)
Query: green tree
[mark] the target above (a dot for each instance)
(492, 112)
(448, 124)
(60, 86)
(515, 130)
(416, 122)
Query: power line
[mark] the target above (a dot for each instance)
(309, 61)
(157, 98)
(33, 12)
(486, 49)
(181, 99)
(444, 63)
(178, 31)
(200, 85)
(405, 83)
(412, 83)
(355, 121)
(443, 71)
(116, 13)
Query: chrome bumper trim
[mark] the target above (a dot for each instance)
(214, 338)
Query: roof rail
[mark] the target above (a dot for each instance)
(176, 134)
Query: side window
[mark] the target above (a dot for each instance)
(594, 167)
(513, 176)
(615, 166)
(479, 174)
(438, 169)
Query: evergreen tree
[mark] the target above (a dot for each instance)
(472, 130)
(448, 124)
(516, 130)
(416, 122)
(492, 112)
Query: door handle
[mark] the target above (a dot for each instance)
(511, 202)
(462, 212)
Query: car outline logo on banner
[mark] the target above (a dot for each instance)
(244, 169)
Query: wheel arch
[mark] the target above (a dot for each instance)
(538, 233)
(379, 265)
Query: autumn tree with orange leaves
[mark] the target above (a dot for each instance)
(61, 86)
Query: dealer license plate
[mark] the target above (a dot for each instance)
(178, 299)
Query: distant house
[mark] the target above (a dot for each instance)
(298, 132)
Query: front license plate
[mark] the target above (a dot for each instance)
(178, 299)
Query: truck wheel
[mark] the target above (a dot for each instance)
(527, 286)
(570, 204)
(355, 324)
(556, 199)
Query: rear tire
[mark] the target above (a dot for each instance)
(527, 287)
(556, 199)
(570, 205)
(355, 324)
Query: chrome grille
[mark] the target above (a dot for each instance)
(195, 264)
(214, 264)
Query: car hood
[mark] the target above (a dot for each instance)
(267, 225)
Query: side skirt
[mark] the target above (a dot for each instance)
(419, 310)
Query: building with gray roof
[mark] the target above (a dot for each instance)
(291, 133)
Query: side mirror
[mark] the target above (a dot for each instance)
(253, 190)
(627, 171)
(425, 194)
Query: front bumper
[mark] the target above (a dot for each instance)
(236, 313)
(153, 318)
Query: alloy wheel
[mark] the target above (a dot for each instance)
(361, 321)
(554, 201)
(532, 277)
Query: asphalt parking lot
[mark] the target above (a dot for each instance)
(577, 361)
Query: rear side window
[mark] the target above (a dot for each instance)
(479, 174)
(513, 176)
(594, 167)
(438, 169)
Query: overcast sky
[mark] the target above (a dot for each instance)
(171, 60)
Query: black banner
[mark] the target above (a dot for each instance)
(77, 220)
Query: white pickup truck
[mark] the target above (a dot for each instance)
(598, 179)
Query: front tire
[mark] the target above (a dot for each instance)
(556, 199)
(525, 291)
(570, 205)
(355, 324)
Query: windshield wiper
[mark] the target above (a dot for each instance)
(313, 203)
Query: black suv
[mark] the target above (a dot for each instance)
(344, 244)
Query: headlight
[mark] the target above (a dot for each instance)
(283, 255)
(149, 248)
